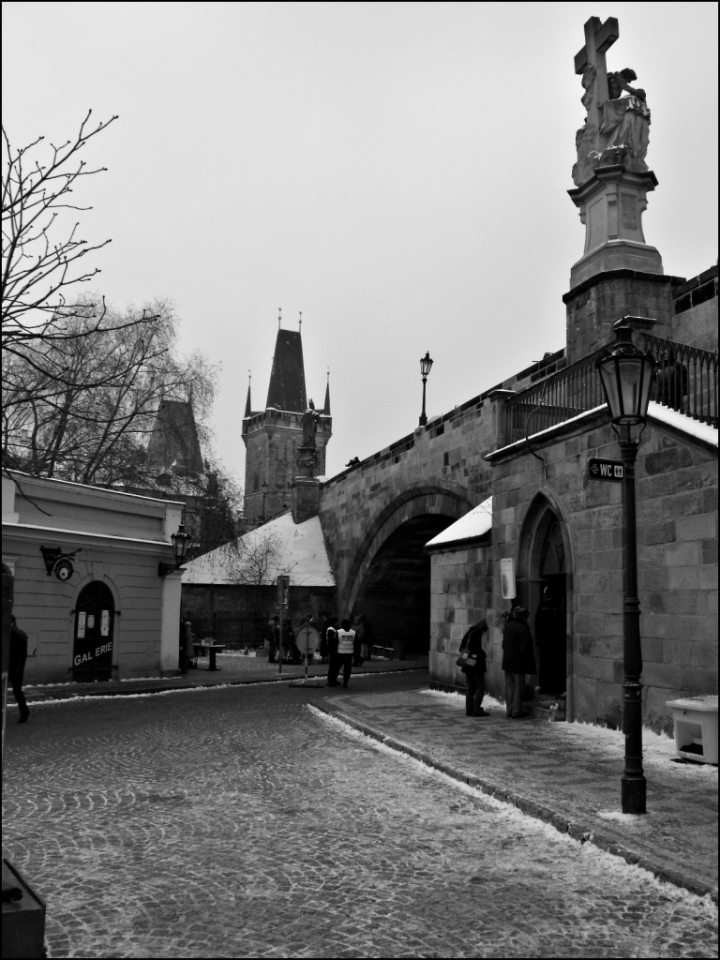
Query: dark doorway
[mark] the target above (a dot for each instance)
(551, 615)
(395, 595)
(93, 646)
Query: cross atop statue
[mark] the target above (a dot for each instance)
(590, 62)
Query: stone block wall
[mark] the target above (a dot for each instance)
(677, 564)
(461, 594)
(593, 307)
(695, 308)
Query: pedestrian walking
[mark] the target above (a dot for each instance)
(475, 669)
(271, 638)
(290, 648)
(328, 623)
(344, 656)
(365, 639)
(330, 638)
(16, 667)
(187, 651)
(359, 631)
(517, 661)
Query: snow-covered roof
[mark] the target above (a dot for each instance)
(702, 431)
(470, 527)
(278, 547)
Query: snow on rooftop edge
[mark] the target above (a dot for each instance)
(300, 553)
(474, 524)
(701, 431)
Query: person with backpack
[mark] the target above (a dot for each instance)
(474, 669)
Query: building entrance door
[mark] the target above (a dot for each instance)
(93, 645)
(551, 616)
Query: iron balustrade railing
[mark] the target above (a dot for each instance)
(558, 398)
(685, 378)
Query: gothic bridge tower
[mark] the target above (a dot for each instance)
(272, 436)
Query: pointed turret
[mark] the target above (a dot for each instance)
(287, 380)
(248, 404)
(326, 408)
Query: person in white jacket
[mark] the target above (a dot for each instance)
(344, 658)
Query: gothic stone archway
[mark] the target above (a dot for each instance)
(545, 587)
(390, 579)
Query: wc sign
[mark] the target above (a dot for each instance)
(613, 470)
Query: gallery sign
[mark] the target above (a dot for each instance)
(612, 470)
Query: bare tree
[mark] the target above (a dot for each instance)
(41, 263)
(82, 408)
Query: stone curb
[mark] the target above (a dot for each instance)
(577, 830)
(130, 691)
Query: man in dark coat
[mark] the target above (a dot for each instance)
(517, 661)
(18, 656)
(475, 675)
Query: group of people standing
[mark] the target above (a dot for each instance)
(280, 641)
(518, 660)
(350, 639)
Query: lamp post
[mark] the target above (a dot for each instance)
(264, 493)
(425, 367)
(180, 541)
(626, 375)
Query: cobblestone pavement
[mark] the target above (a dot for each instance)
(570, 770)
(238, 822)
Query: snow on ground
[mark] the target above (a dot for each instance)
(657, 747)
(615, 868)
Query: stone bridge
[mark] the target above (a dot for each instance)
(378, 514)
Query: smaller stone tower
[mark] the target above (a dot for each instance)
(273, 437)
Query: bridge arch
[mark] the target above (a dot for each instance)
(389, 578)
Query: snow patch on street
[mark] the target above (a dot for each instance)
(617, 870)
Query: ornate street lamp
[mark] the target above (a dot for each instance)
(425, 367)
(180, 541)
(626, 374)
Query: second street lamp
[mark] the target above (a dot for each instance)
(425, 367)
(180, 542)
(626, 375)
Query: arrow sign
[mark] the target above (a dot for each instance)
(612, 470)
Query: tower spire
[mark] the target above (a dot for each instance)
(279, 318)
(326, 408)
(300, 322)
(248, 403)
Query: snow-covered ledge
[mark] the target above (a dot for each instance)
(678, 421)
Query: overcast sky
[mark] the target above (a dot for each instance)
(397, 171)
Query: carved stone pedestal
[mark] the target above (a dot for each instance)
(611, 206)
(306, 498)
(306, 493)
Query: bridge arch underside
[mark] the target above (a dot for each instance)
(392, 583)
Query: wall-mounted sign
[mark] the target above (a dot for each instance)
(63, 569)
(507, 578)
(613, 470)
(58, 562)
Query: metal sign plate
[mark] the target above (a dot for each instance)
(612, 470)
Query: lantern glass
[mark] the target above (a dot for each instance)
(180, 544)
(626, 376)
(425, 364)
